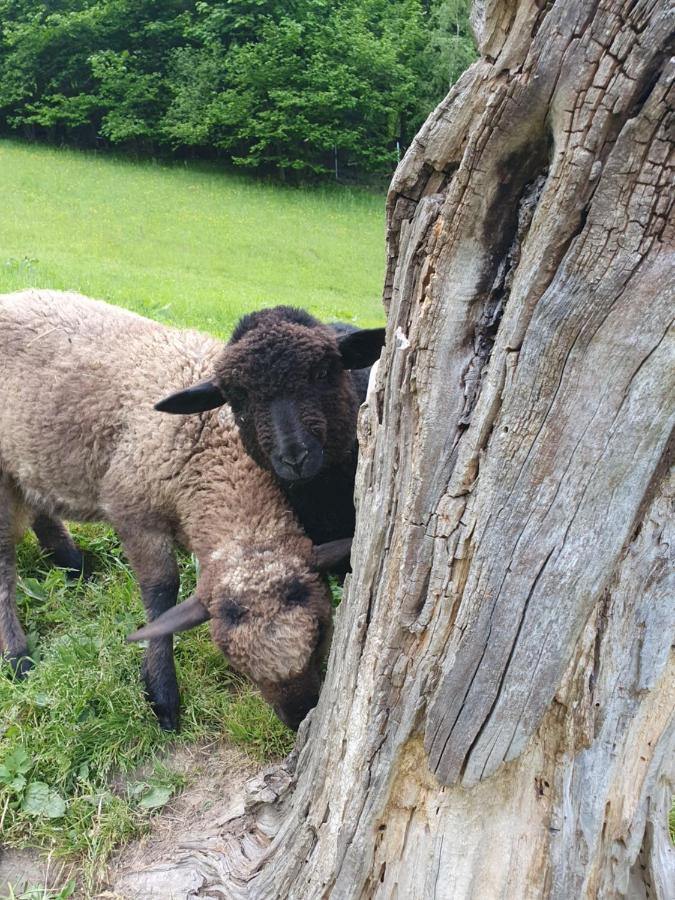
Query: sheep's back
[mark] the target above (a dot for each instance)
(79, 381)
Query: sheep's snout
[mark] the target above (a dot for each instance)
(293, 697)
(296, 458)
(293, 715)
(298, 464)
(293, 701)
(297, 453)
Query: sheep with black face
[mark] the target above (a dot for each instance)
(79, 439)
(295, 386)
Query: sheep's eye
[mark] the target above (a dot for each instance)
(232, 613)
(323, 372)
(297, 593)
(238, 399)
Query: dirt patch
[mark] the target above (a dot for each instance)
(159, 866)
(20, 869)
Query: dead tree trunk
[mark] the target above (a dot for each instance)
(497, 718)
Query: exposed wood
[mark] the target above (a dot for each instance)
(497, 718)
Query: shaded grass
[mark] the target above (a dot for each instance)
(191, 245)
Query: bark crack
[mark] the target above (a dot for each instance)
(497, 298)
(506, 667)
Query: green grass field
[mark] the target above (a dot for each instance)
(192, 247)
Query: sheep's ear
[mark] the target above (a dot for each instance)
(328, 555)
(195, 399)
(185, 615)
(361, 349)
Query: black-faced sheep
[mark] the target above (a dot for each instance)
(295, 386)
(79, 439)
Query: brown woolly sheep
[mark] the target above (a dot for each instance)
(295, 386)
(79, 439)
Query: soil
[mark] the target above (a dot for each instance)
(157, 865)
(21, 869)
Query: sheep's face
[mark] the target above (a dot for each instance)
(292, 398)
(272, 625)
(271, 619)
(286, 379)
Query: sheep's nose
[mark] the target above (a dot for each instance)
(295, 461)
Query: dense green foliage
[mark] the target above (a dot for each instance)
(265, 83)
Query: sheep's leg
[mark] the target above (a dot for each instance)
(152, 557)
(12, 637)
(55, 540)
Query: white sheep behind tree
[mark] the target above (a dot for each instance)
(497, 717)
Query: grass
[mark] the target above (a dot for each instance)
(40, 892)
(73, 729)
(192, 247)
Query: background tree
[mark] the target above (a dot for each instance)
(497, 717)
(269, 85)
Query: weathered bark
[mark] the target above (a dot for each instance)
(497, 719)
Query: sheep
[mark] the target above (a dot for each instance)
(79, 439)
(295, 386)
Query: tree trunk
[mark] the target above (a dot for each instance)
(497, 718)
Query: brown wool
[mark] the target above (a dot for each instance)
(80, 439)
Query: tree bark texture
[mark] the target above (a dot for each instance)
(497, 718)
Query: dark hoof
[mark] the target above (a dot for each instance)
(75, 575)
(169, 719)
(75, 566)
(21, 665)
(165, 704)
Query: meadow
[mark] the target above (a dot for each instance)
(191, 246)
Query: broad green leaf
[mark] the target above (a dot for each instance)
(41, 800)
(18, 784)
(32, 588)
(137, 789)
(16, 762)
(157, 796)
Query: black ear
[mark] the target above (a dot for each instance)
(328, 555)
(195, 399)
(361, 349)
(182, 617)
